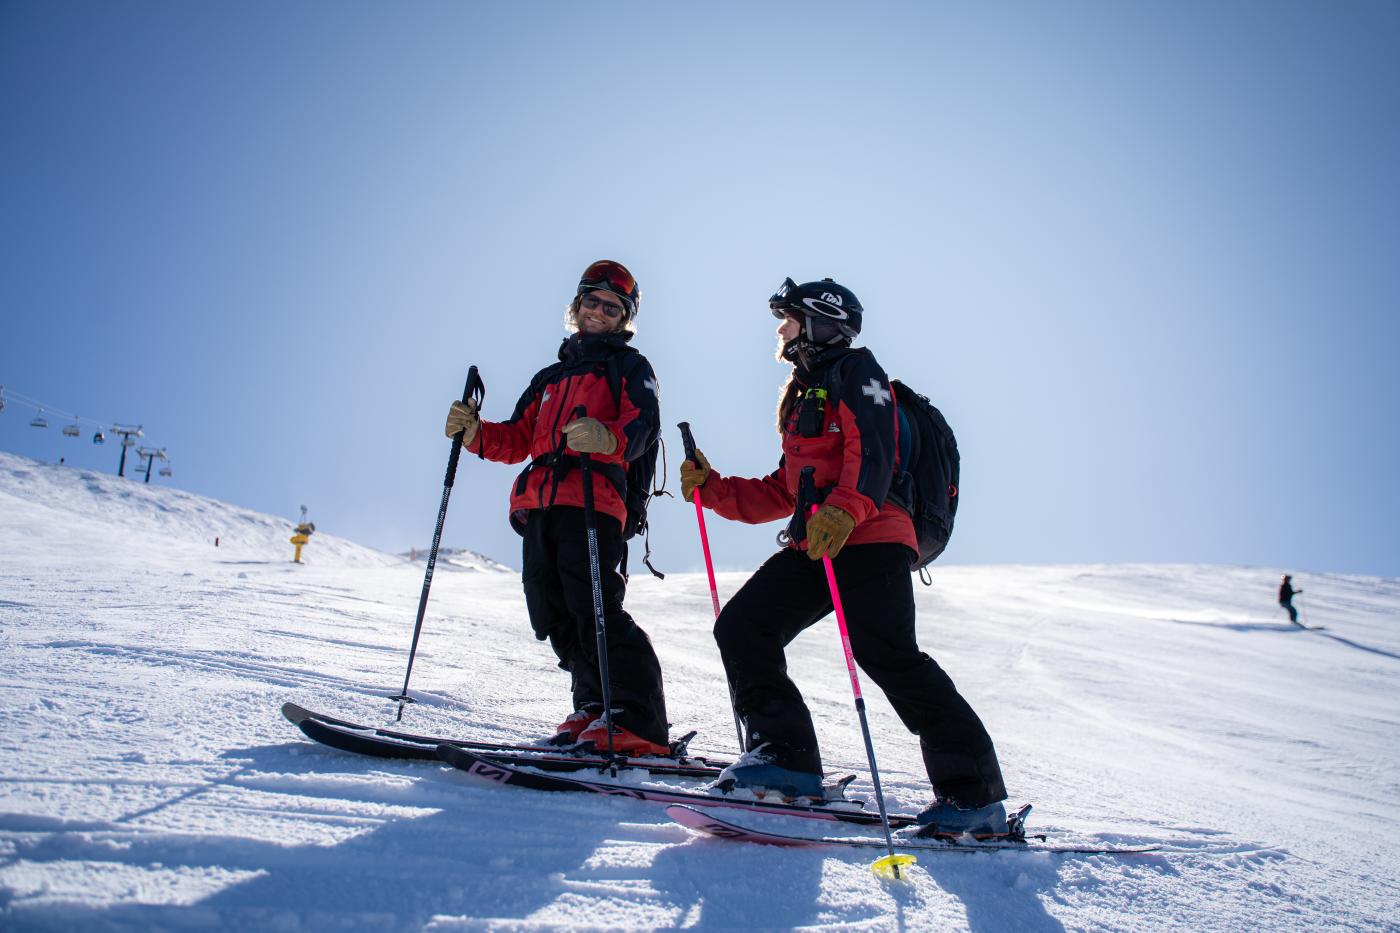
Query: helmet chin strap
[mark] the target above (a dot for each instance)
(807, 354)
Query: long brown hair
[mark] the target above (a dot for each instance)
(787, 399)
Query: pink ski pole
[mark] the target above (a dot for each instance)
(689, 443)
(889, 864)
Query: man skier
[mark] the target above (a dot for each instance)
(617, 387)
(837, 415)
(1286, 592)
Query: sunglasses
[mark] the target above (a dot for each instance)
(594, 303)
(610, 275)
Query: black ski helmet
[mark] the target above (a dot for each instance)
(830, 313)
(614, 277)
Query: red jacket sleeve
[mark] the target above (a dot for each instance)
(509, 441)
(750, 500)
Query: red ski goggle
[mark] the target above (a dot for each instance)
(610, 275)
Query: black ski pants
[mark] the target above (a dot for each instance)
(559, 598)
(789, 594)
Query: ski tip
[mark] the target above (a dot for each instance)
(686, 815)
(455, 755)
(295, 714)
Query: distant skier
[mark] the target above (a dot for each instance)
(845, 430)
(616, 385)
(1286, 592)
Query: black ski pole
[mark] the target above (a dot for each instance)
(599, 623)
(689, 443)
(475, 391)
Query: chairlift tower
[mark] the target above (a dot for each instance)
(127, 431)
(151, 455)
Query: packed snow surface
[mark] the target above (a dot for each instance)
(148, 781)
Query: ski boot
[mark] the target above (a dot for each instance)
(946, 818)
(758, 772)
(625, 742)
(567, 732)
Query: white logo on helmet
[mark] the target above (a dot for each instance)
(825, 307)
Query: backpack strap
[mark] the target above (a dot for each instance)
(612, 373)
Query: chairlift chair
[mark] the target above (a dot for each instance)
(99, 438)
(39, 421)
(71, 430)
(165, 471)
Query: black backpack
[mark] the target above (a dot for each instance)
(926, 473)
(927, 486)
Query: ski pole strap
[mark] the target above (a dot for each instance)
(475, 390)
(806, 502)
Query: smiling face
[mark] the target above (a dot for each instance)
(600, 312)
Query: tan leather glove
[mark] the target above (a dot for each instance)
(827, 531)
(693, 476)
(590, 436)
(462, 418)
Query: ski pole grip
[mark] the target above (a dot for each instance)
(474, 390)
(688, 441)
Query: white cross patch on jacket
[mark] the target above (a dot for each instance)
(877, 394)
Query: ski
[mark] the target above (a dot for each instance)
(486, 767)
(388, 743)
(705, 821)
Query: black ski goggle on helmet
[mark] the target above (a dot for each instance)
(822, 306)
(614, 277)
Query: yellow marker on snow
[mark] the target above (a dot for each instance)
(302, 536)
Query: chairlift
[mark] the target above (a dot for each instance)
(99, 438)
(165, 471)
(71, 430)
(39, 421)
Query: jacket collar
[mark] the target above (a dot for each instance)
(580, 348)
(821, 361)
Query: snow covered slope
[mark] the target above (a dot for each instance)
(70, 510)
(457, 559)
(148, 781)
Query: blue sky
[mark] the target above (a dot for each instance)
(1141, 255)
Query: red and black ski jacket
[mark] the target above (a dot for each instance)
(848, 437)
(616, 385)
